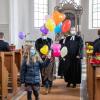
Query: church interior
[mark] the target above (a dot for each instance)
(49, 49)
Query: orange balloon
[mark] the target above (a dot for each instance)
(66, 26)
(57, 17)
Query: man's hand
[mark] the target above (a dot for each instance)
(77, 57)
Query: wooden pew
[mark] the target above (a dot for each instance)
(97, 81)
(10, 66)
(93, 80)
(89, 79)
(3, 78)
(18, 58)
(89, 73)
(9, 60)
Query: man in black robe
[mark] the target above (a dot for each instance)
(60, 67)
(61, 60)
(72, 64)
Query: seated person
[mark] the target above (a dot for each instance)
(4, 46)
(96, 44)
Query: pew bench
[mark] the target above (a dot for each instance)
(93, 80)
(10, 67)
(3, 78)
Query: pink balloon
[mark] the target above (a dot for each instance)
(56, 50)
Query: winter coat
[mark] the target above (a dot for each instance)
(30, 73)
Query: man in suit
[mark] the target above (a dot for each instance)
(4, 46)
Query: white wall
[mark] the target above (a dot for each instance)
(19, 20)
(4, 11)
(4, 17)
(89, 34)
(24, 18)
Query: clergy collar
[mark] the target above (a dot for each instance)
(44, 37)
(72, 37)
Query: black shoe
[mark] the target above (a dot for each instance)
(37, 98)
(74, 86)
(61, 77)
(68, 85)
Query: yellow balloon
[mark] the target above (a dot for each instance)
(44, 50)
(90, 47)
(50, 25)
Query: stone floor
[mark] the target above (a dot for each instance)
(59, 92)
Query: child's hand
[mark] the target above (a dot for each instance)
(77, 57)
(22, 87)
(49, 55)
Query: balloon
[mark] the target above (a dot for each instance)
(66, 26)
(64, 51)
(58, 17)
(43, 29)
(56, 50)
(58, 28)
(21, 35)
(44, 50)
(50, 25)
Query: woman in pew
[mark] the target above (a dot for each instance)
(30, 72)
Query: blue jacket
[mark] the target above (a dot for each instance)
(31, 73)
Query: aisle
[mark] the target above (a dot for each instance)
(60, 92)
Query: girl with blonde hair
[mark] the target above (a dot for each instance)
(30, 72)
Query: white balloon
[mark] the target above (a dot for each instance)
(64, 51)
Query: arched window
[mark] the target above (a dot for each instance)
(94, 14)
(40, 10)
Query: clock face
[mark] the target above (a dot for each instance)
(71, 17)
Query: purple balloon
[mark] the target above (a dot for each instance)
(44, 30)
(21, 35)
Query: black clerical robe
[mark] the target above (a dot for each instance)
(72, 64)
(61, 61)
